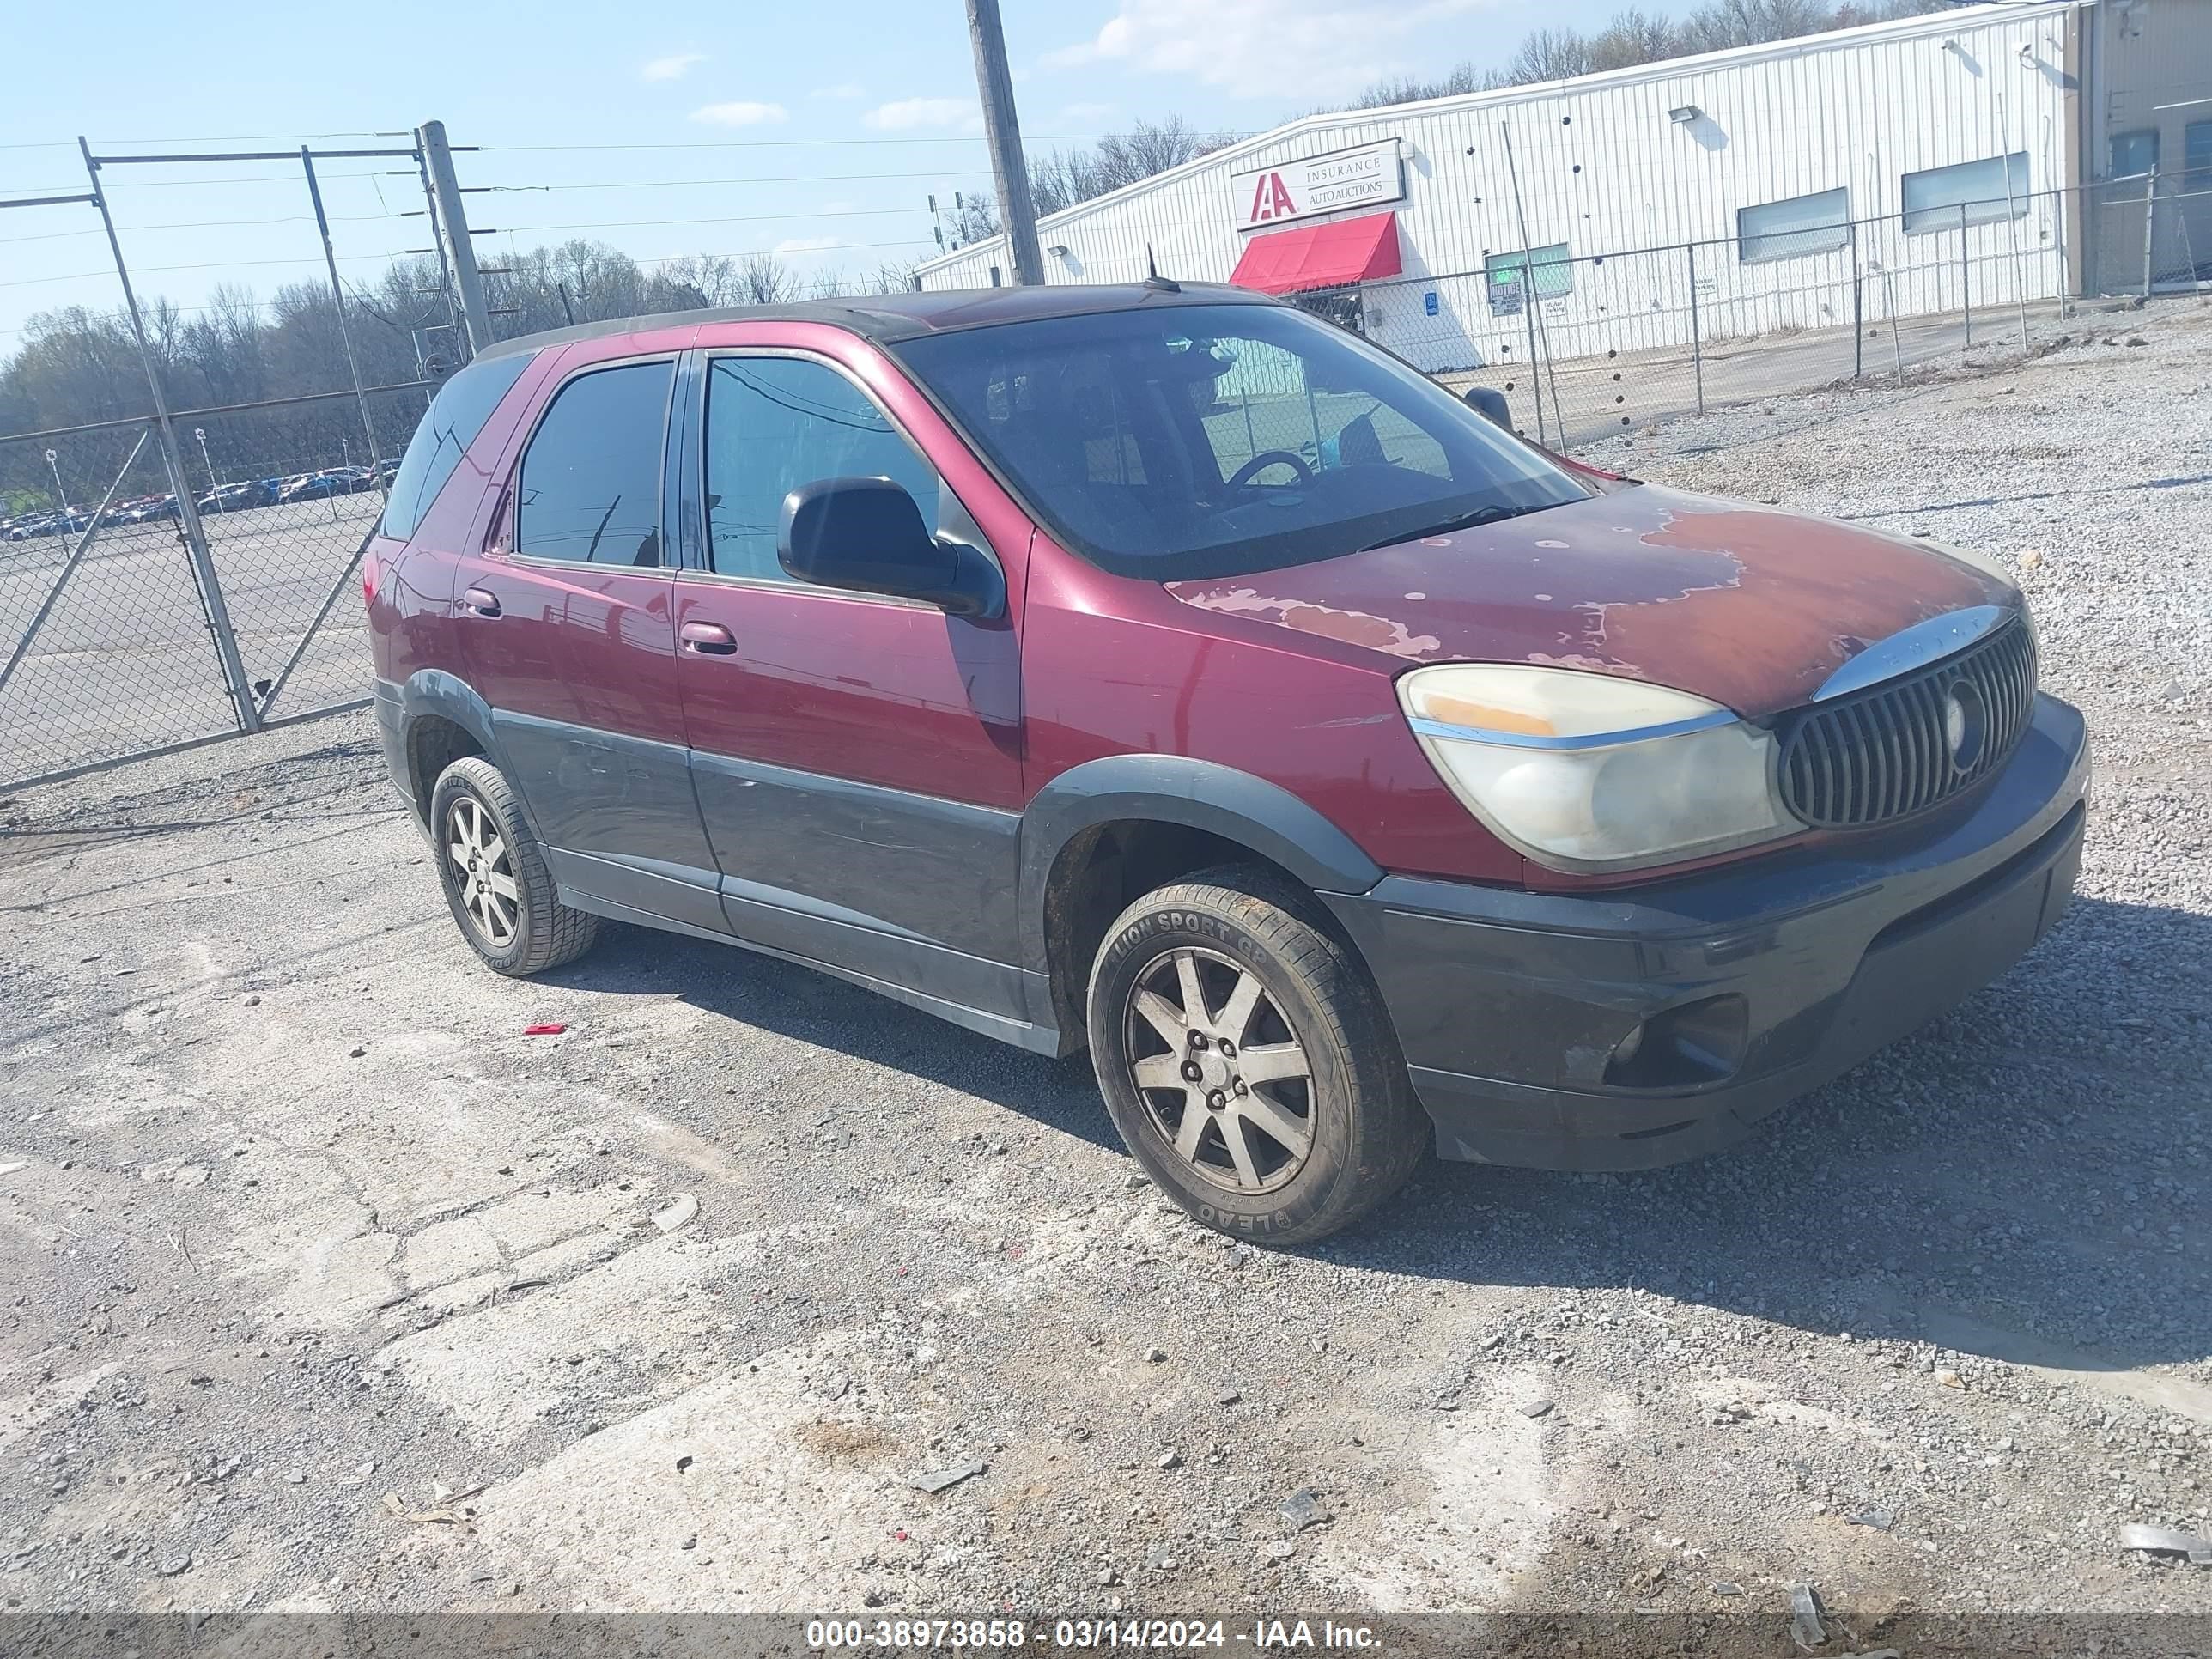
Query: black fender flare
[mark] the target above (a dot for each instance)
(434, 692)
(1196, 793)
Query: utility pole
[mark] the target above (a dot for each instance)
(1008, 168)
(453, 232)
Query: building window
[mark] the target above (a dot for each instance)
(1972, 193)
(1509, 276)
(1794, 229)
(2134, 152)
(994, 277)
(2196, 154)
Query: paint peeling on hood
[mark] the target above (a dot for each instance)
(1352, 627)
(1750, 606)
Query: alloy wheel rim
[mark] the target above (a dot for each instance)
(1222, 1075)
(491, 898)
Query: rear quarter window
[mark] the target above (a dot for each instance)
(458, 412)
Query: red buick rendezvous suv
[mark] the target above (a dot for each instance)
(1160, 669)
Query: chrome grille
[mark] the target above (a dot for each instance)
(1886, 752)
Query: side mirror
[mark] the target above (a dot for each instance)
(864, 533)
(867, 534)
(1490, 405)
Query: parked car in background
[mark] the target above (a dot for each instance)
(1162, 670)
(239, 497)
(329, 481)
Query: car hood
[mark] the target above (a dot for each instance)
(1748, 606)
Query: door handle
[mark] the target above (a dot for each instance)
(480, 602)
(708, 640)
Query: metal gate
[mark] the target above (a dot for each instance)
(122, 635)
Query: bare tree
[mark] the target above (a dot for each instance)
(765, 280)
(1633, 37)
(1725, 23)
(713, 275)
(891, 277)
(1553, 54)
(1061, 179)
(975, 218)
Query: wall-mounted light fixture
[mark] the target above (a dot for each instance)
(1058, 250)
(1685, 114)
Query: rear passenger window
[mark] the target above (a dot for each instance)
(590, 485)
(463, 403)
(774, 423)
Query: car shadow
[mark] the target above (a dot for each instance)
(2029, 1178)
(811, 1006)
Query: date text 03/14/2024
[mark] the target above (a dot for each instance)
(1164, 1635)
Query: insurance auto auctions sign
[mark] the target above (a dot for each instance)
(1368, 176)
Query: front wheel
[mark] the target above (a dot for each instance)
(1248, 1061)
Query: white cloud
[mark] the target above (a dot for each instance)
(1277, 49)
(674, 67)
(740, 114)
(806, 244)
(1074, 115)
(905, 113)
(844, 89)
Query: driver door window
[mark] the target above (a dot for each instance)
(774, 423)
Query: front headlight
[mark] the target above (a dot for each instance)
(1589, 772)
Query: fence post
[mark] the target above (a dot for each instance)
(1696, 329)
(1896, 339)
(2151, 223)
(1528, 300)
(188, 511)
(345, 334)
(1965, 278)
(1858, 309)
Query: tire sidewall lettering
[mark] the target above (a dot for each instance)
(1131, 952)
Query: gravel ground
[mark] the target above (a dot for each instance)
(329, 1289)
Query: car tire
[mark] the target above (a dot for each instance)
(1305, 1118)
(502, 894)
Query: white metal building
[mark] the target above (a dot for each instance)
(1897, 169)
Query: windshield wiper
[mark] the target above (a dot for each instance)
(1481, 515)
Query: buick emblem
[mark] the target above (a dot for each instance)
(1963, 725)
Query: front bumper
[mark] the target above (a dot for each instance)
(1511, 1006)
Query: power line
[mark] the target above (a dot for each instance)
(757, 179)
(787, 143)
(242, 264)
(246, 178)
(236, 138)
(737, 219)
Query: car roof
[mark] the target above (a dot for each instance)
(893, 317)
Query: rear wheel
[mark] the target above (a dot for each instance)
(1247, 1060)
(496, 883)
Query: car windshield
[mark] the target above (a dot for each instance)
(1184, 442)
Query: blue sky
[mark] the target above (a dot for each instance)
(682, 127)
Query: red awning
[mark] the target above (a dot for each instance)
(1320, 256)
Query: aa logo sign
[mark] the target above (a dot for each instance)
(1368, 176)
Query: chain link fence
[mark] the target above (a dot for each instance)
(177, 575)
(122, 639)
(1587, 346)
